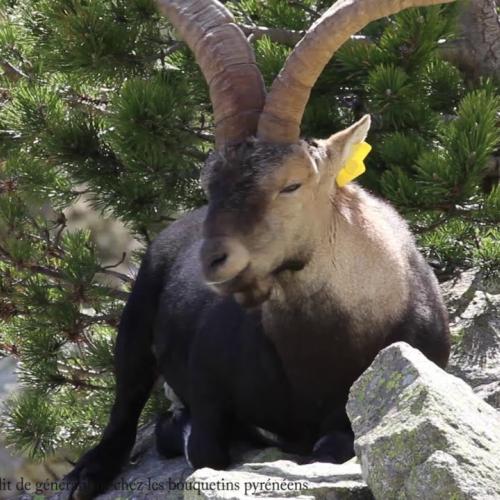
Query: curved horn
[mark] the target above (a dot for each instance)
(227, 62)
(286, 102)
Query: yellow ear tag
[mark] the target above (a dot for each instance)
(355, 165)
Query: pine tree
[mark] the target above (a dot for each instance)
(99, 97)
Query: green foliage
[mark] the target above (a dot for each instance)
(98, 98)
(392, 94)
(276, 13)
(93, 38)
(412, 39)
(33, 423)
(442, 84)
(270, 57)
(459, 242)
(448, 171)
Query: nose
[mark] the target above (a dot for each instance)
(222, 259)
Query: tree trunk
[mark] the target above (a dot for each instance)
(477, 52)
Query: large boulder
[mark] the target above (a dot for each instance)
(422, 433)
(473, 302)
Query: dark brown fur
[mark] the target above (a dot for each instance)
(332, 276)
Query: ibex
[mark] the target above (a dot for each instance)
(262, 308)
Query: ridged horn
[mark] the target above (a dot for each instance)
(290, 91)
(228, 64)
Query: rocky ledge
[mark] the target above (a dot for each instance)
(421, 433)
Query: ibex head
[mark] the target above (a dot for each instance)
(269, 191)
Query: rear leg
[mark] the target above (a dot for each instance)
(207, 440)
(212, 423)
(203, 441)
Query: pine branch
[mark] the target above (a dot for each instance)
(284, 36)
(434, 225)
(172, 48)
(278, 35)
(116, 274)
(108, 270)
(312, 12)
(11, 72)
(98, 107)
(200, 134)
(109, 319)
(57, 275)
(471, 215)
(80, 384)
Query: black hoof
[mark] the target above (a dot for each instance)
(207, 450)
(93, 473)
(337, 448)
(170, 433)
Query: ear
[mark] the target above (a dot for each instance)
(339, 146)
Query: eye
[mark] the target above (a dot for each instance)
(291, 188)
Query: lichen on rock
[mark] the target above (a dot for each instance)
(429, 436)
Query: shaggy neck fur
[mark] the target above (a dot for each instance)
(358, 264)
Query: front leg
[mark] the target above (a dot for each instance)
(135, 370)
(207, 439)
